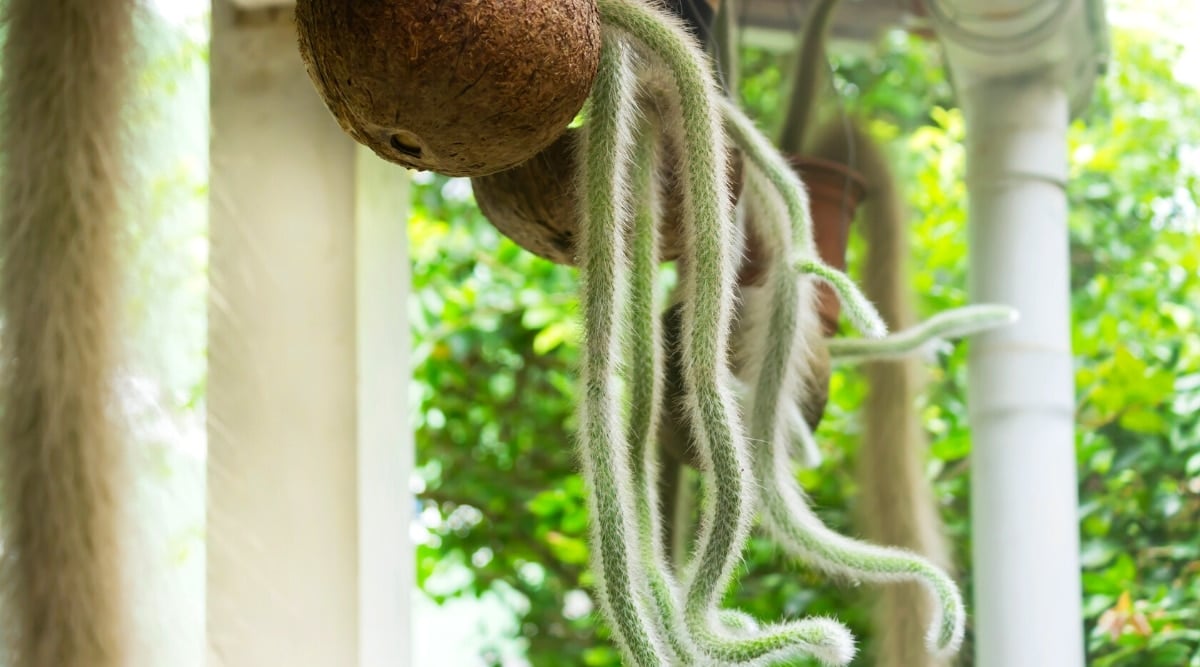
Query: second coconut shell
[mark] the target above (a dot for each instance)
(535, 203)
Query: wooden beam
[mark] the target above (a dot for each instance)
(776, 21)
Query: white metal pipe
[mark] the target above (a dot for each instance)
(1024, 506)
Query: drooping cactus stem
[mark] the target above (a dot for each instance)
(787, 514)
(791, 521)
(707, 288)
(862, 314)
(946, 325)
(644, 371)
(763, 156)
(604, 272)
(773, 367)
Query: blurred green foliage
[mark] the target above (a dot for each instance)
(496, 336)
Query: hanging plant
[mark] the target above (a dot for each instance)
(471, 87)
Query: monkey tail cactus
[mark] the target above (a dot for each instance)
(707, 285)
(656, 619)
(604, 271)
(943, 326)
(782, 217)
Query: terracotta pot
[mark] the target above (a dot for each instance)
(834, 192)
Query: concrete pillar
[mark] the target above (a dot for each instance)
(309, 446)
(1024, 506)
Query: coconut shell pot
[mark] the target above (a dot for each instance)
(460, 87)
(536, 205)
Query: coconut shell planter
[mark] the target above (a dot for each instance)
(536, 204)
(460, 87)
(487, 89)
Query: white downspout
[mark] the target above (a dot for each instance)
(1021, 67)
(1021, 395)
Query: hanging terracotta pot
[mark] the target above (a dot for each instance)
(834, 193)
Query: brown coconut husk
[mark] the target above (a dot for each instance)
(460, 87)
(536, 205)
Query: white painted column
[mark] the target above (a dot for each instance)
(1024, 505)
(309, 446)
(386, 558)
